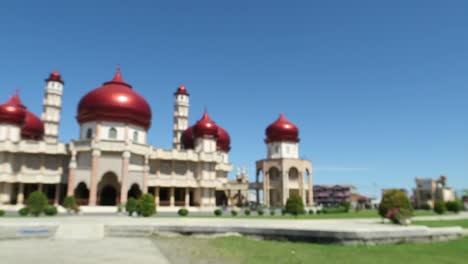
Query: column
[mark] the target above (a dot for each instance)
(266, 189)
(20, 196)
(123, 187)
(94, 171)
(311, 191)
(201, 196)
(40, 187)
(71, 178)
(301, 188)
(156, 195)
(171, 203)
(57, 194)
(285, 189)
(187, 197)
(145, 176)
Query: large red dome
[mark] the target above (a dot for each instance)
(13, 111)
(115, 101)
(205, 127)
(224, 140)
(282, 130)
(187, 138)
(33, 127)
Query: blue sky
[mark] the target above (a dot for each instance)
(377, 89)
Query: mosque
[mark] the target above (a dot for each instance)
(112, 161)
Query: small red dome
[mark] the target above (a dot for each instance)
(187, 138)
(13, 111)
(115, 101)
(205, 127)
(33, 127)
(282, 130)
(224, 140)
(55, 76)
(181, 90)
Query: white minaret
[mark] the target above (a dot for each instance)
(181, 112)
(52, 106)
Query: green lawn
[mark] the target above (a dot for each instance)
(245, 250)
(463, 223)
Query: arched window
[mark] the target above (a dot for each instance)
(135, 136)
(112, 133)
(89, 133)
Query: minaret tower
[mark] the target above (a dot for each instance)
(52, 106)
(181, 112)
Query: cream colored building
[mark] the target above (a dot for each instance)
(428, 191)
(283, 173)
(111, 159)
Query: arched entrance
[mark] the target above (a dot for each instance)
(108, 189)
(134, 191)
(81, 194)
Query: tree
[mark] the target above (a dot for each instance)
(294, 205)
(36, 203)
(147, 206)
(394, 199)
(439, 207)
(131, 205)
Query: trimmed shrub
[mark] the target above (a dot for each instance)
(36, 203)
(23, 211)
(218, 212)
(247, 212)
(233, 212)
(260, 212)
(50, 210)
(346, 206)
(69, 203)
(311, 212)
(183, 212)
(399, 215)
(426, 207)
(439, 207)
(2, 213)
(283, 211)
(272, 211)
(294, 205)
(335, 210)
(394, 199)
(454, 206)
(146, 207)
(131, 206)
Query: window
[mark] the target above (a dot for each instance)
(135, 136)
(112, 133)
(89, 133)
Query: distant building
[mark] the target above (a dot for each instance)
(360, 201)
(428, 191)
(331, 195)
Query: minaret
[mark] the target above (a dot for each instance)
(181, 112)
(52, 106)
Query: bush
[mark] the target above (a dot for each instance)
(183, 212)
(2, 213)
(439, 207)
(394, 199)
(70, 204)
(311, 212)
(23, 211)
(50, 210)
(233, 212)
(120, 208)
(131, 206)
(218, 212)
(283, 211)
(247, 212)
(272, 211)
(426, 207)
(453, 206)
(335, 210)
(399, 215)
(294, 205)
(36, 203)
(260, 212)
(146, 207)
(346, 206)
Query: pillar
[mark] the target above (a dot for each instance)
(302, 190)
(311, 191)
(266, 189)
(40, 187)
(171, 203)
(57, 194)
(187, 197)
(145, 176)
(94, 171)
(20, 195)
(156, 195)
(71, 178)
(123, 185)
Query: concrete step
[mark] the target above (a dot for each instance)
(71, 231)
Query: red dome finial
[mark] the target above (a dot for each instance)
(55, 76)
(118, 75)
(181, 90)
(13, 111)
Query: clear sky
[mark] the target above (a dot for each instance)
(377, 89)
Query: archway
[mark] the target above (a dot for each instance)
(134, 191)
(82, 194)
(108, 189)
(293, 174)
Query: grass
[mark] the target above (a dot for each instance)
(245, 250)
(443, 223)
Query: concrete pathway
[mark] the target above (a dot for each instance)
(80, 231)
(108, 250)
